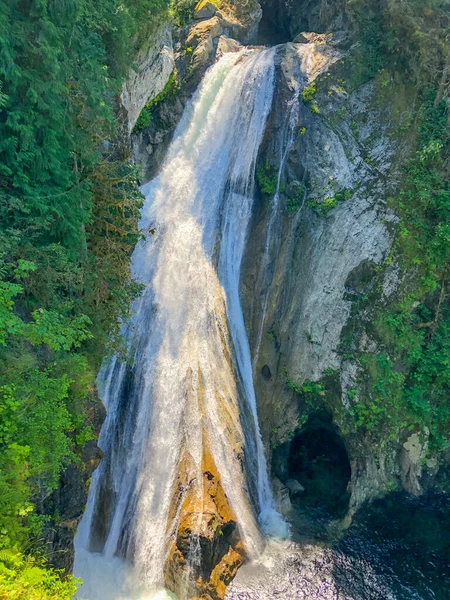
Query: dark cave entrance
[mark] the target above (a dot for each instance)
(274, 25)
(319, 462)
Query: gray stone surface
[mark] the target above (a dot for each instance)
(226, 44)
(154, 67)
(297, 291)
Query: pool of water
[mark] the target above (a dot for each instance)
(397, 548)
(406, 542)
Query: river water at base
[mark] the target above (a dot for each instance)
(112, 579)
(397, 548)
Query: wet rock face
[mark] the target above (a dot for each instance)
(299, 289)
(150, 74)
(206, 551)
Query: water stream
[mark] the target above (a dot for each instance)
(186, 383)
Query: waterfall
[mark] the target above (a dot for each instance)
(186, 381)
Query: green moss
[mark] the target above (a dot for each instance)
(307, 387)
(169, 92)
(309, 92)
(295, 197)
(343, 195)
(340, 113)
(267, 178)
(323, 207)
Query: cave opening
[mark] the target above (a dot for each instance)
(319, 469)
(274, 25)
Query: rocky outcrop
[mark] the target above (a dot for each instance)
(331, 226)
(195, 47)
(149, 75)
(206, 551)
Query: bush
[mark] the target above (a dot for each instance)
(267, 178)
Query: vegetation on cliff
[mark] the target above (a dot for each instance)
(405, 383)
(408, 383)
(68, 211)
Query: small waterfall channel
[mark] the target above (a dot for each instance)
(185, 388)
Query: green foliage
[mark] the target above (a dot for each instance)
(25, 578)
(371, 52)
(408, 384)
(267, 178)
(309, 92)
(295, 197)
(343, 195)
(409, 37)
(323, 207)
(69, 205)
(308, 388)
(182, 11)
(42, 401)
(351, 394)
(169, 93)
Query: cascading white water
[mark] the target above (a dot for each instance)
(186, 340)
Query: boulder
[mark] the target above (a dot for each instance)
(301, 38)
(227, 45)
(152, 72)
(206, 516)
(294, 487)
(209, 29)
(412, 456)
(281, 495)
(204, 10)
